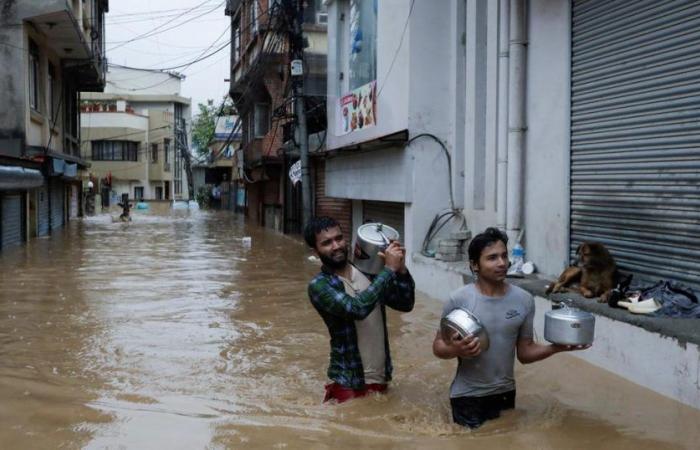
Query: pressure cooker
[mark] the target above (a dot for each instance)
(569, 326)
(372, 238)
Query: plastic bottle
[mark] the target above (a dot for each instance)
(518, 258)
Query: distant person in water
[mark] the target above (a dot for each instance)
(126, 208)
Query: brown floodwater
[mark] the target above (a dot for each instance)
(170, 332)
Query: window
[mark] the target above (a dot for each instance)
(262, 119)
(138, 193)
(177, 184)
(254, 12)
(236, 54)
(166, 150)
(159, 192)
(363, 43)
(34, 76)
(115, 151)
(154, 153)
(316, 12)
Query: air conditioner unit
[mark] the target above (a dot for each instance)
(322, 18)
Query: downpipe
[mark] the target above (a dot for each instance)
(502, 149)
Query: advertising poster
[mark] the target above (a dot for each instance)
(357, 109)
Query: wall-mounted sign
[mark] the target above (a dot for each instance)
(295, 172)
(357, 110)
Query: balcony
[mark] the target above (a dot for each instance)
(81, 48)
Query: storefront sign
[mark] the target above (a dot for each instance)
(357, 109)
(295, 172)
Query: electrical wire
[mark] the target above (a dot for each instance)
(159, 29)
(396, 53)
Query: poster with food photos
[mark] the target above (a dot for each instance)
(357, 109)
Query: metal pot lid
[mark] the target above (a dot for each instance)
(568, 312)
(377, 233)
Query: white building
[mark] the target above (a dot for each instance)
(136, 134)
(569, 121)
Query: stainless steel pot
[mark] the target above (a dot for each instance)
(372, 238)
(569, 326)
(465, 324)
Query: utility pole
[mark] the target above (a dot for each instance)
(181, 134)
(296, 7)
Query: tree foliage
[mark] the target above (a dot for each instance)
(204, 124)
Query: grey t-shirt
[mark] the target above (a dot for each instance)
(506, 319)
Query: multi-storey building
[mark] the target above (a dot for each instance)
(135, 135)
(50, 50)
(261, 90)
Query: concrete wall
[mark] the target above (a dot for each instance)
(411, 95)
(546, 152)
(547, 158)
(392, 85)
(659, 363)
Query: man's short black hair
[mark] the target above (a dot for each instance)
(315, 226)
(484, 239)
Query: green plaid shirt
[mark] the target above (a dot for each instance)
(340, 311)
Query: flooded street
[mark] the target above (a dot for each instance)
(169, 332)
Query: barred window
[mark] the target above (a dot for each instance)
(115, 151)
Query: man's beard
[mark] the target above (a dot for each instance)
(333, 263)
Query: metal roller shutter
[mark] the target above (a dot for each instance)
(43, 211)
(385, 212)
(635, 134)
(11, 223)
(56, 192)
(338, 208)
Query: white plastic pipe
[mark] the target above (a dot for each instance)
(502, 130)
(516, 117)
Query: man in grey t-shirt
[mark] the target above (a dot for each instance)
(484, 384)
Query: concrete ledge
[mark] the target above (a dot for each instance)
(661, 354)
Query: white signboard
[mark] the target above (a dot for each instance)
(295, 172)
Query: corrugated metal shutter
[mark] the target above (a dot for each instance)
(11, 223)
(73, 201)
(338, 208)
(389, 213)
(43, 211)
(57, 203)
(635, 153)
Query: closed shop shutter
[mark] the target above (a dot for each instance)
(57, 203)
(73, 201)
(43, 210)
(388, 213)
(338, 208)
(11, 223)
(635, 134)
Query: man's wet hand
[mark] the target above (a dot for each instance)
(467, 347)
(393, 257)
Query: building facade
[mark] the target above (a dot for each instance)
(563, 121)
(49, 51)
(136, 135)
(262, 93)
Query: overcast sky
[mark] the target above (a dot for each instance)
(175, 40)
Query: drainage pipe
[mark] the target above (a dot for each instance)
(516, 117)
(502, 136)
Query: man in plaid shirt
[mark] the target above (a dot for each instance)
(353, 309)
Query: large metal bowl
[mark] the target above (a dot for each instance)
(464, 323)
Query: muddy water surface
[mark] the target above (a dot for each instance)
(169, 332)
